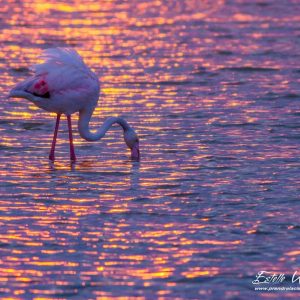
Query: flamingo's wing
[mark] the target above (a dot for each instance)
(62, 71)
(34, 85)
(62, 77)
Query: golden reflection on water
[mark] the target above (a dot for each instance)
(186, 75)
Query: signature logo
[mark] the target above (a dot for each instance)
(272, 278)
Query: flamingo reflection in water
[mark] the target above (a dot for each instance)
(63, 84)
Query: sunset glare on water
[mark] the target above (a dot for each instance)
(212, 88)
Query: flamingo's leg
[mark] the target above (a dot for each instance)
(51, 155)
(72, 151)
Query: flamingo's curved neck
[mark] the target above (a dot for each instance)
(84, 130)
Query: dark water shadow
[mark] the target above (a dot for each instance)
(84, 169)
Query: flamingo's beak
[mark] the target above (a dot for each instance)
(135, 151)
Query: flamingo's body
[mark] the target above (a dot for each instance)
(64, 84)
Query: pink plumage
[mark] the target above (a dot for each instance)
(39, 87)
(62, 83)
(70, 84)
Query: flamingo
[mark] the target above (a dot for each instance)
(63, 84)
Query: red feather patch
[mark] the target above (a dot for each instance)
(40, 88)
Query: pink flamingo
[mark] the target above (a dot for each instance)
(63, 84)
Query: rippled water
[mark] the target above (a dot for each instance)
(212, 88)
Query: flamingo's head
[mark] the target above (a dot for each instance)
(132, 141)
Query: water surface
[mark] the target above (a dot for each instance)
(212, 87)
